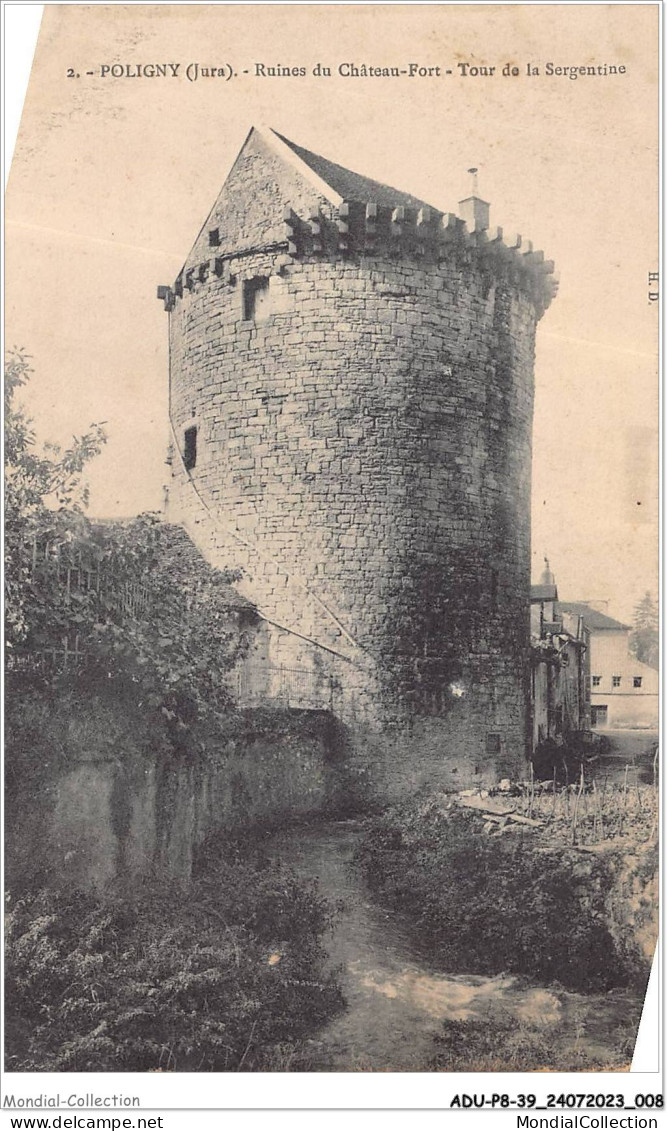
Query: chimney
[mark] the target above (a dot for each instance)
(473, 209)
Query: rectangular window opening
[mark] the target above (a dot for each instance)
(494, 588)
(190, 448)
(637, 681)
(493, 744)
(597, 680)
(616, 681)
(256, 306)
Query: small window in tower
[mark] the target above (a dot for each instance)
(616, 681)
(256, 299)
(597, 680)
(493, 744)
(494, 588)
(636, 681)
(190, 448)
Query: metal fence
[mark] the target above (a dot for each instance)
(77, 570)
(297, 688)
(69, 657)
(82, 570)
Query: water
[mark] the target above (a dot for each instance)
(632, 748)
(396, 1001)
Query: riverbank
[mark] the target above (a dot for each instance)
(406, 1013)
(503, 884)
(225, 974)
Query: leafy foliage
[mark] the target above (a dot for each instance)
(45, 496)
(174, 652)
(645, 635)
(482, 905)
(136, 599)
(228, 975)
(37, 478)
(507, 1044)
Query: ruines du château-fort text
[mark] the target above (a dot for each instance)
(471, 69)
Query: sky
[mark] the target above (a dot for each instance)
(113, 177)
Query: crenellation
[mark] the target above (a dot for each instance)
(371, 433)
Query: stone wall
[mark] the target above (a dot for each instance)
(97, 799)
(91, 801)
(364, 455)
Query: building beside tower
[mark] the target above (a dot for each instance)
(561, 678)
(584, 674)
(351, 398)
(625, 693)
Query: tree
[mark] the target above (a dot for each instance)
(175, 649)
(151, 619)
(644, 638)
(45, 498)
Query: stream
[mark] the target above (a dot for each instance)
(396, 1000)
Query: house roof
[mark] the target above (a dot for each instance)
(353, 186)
(269, 175)
(276, 190)
(593, 619)
(543, 593)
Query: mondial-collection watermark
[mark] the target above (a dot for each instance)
(74, 1100)
(585, 1122)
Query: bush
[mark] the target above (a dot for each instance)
(505, 1044)
(228, 975)
(133, 604)
(482, 904)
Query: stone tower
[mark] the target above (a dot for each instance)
(351, 397)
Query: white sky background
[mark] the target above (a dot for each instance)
(113, 178)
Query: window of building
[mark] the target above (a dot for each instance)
(637, 681)
(599, 715)
(597, 680)
(256, 299)
(493, 744)
(616, 681)
(190, 448)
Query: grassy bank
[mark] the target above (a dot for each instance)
(227, 975)
(510, 1045)
(488, 894)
